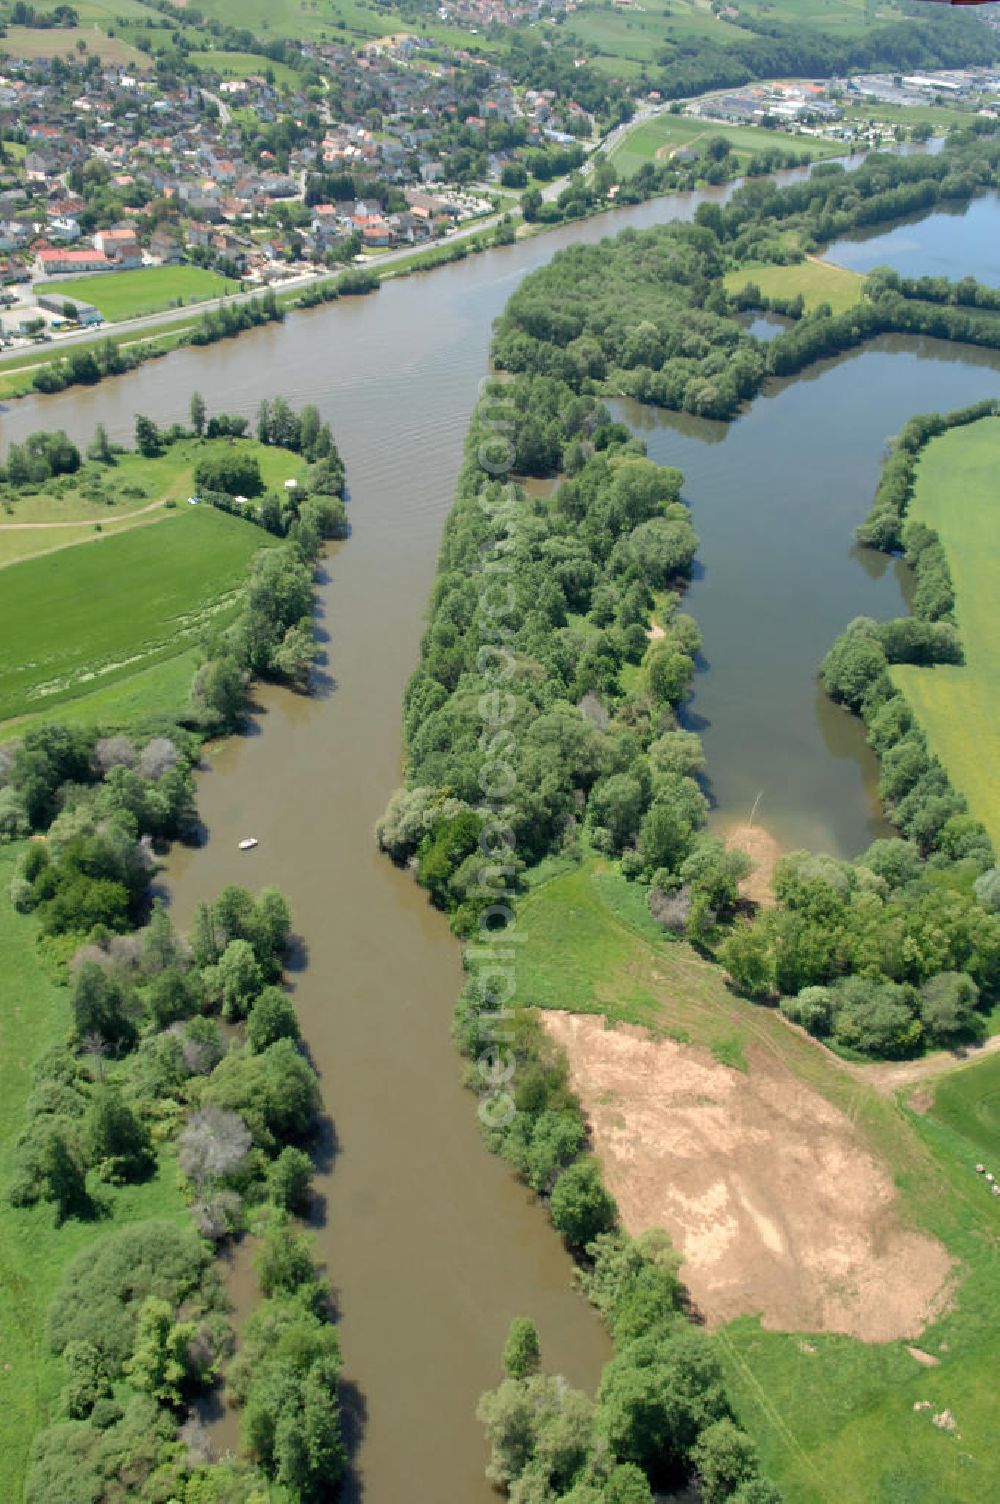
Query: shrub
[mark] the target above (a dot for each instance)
(580, 1207)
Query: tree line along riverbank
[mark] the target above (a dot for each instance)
(160, 1102)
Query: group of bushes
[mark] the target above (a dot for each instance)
(86, 367)
(593, 692)
(140, 1317)
(147, 1072)
(647, 314)
(660, 1418)
(183, 1056)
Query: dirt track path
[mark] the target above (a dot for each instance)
(888, 1076)
(24, 527)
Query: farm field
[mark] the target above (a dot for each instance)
(959, 706)
(104, 612)
(833, 1414)
(34, 1014)
(243, 65)
(660, 137)
(57, 41)
(623, 42)
(127, 295)
(817, 281)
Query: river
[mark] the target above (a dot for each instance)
(430, 1244)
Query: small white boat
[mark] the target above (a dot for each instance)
(248, 843)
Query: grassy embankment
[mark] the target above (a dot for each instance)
(959, 705)
(817, 281)
(660, 138)
(834, 1416)
(130, 295)
(109, 632)
(35, 1014)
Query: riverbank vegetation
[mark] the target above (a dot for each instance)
(158, 1103)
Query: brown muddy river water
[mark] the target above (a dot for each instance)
(430, 1244)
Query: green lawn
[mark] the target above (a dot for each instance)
(129, 295)
(959, 706)
(86, 617)
(833, 1416)
(658, 138)
(968, 1102)
(817, 281)
(34, 1014)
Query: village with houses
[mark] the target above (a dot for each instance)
(106, 170)
(318, 154)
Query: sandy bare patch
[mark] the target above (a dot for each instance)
(655, 632)
(927, 1359)
(764, 851)
(768, 1191)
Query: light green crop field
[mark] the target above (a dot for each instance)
(129, 295)
(658, 139)
(34, 1014)
(58, 41)
(244, 65)
(817, 281)
(83, 618)
(834, 1417)
(956, 493)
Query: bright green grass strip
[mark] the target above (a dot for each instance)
(129, 295)
(817, 281)
(34, 1014)
(959, 706)
(968, 1102)
(82, 618)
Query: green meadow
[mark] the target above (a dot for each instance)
(660, 137)
(129, 295)
(817, 281)
(82, 618)
(959, 706)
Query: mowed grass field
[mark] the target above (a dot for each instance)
(34, 1014)
(957, 493)
(834, 1416)
(660, 137)
(85, 617)
(127, 295)
(58, 41)
(817, 281)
